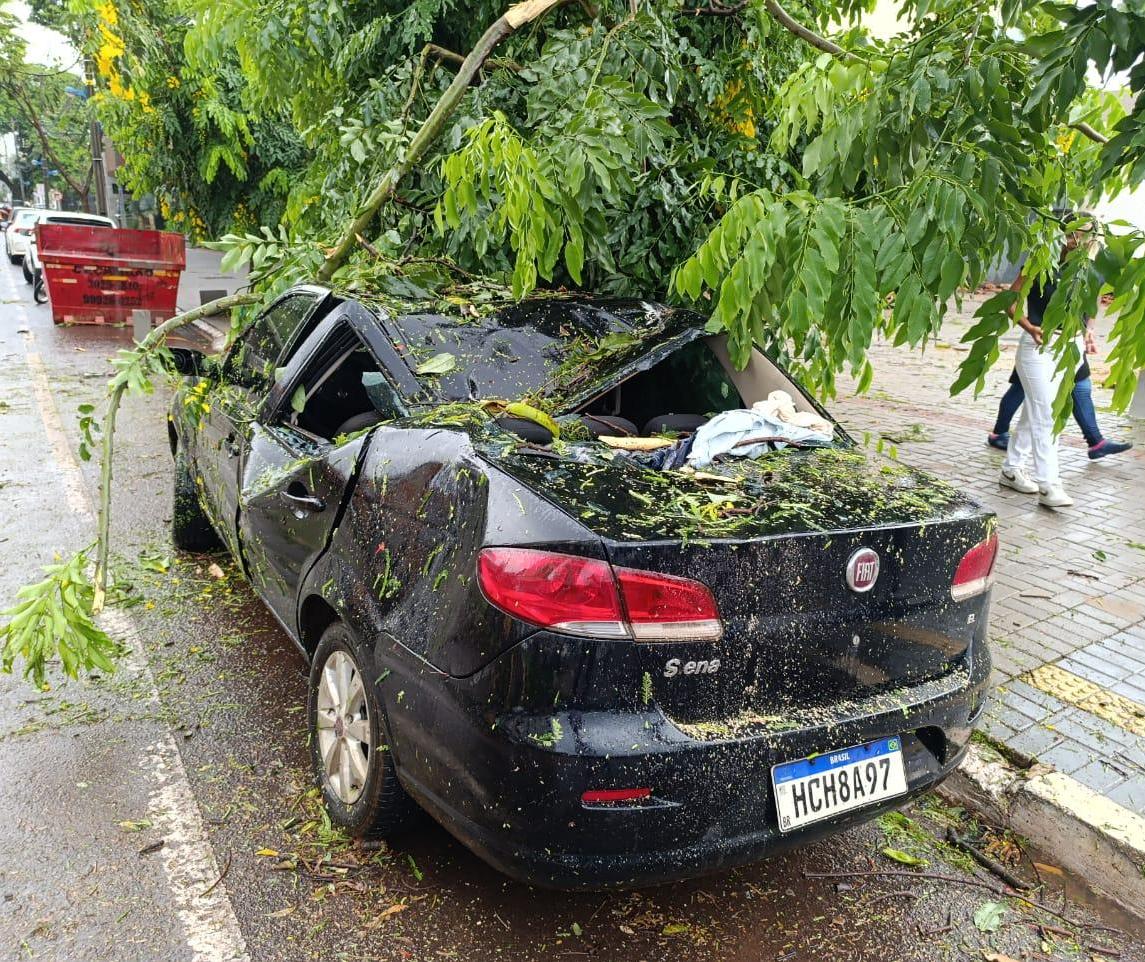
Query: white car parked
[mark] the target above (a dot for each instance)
(22, 227)
(32, 264)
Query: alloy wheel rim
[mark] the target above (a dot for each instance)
(343, 723)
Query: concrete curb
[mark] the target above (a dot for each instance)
(1084, 832)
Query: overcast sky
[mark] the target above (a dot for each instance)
(45, 46)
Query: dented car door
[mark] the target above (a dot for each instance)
(292, 493)
(224, 427)
(300, 463)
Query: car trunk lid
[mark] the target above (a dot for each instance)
(772, 538)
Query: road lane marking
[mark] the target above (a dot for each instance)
(202, 905)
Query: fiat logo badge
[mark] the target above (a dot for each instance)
(862, 570)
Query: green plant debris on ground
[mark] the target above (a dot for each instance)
(989, 916)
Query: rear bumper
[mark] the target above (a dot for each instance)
(513, 794)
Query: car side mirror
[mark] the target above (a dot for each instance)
(191, 363)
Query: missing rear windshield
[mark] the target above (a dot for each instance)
(675, 396)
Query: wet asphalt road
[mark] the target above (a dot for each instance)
(248, 867)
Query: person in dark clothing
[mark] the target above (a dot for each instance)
(1083, 413)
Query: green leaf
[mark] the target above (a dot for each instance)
(988, 916)
(298, 399)
(441, 363)
(519, 409)
(574, 254)
(951, 274)
(904, 858)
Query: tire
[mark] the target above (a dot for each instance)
(40, 291)
(376, 805)
(26, 271)
(15, 258)
(190, 528)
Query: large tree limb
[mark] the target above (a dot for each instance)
(154, 339)
(804, 33)
(511, 20)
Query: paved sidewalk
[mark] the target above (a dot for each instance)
(1068, 614)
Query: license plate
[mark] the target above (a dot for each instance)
(816, 788)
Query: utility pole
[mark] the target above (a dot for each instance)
(99, 173)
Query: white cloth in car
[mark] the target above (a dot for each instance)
(775, 420)
(780, 405)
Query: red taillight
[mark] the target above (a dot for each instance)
(560, 591)
(666, 608)
(581, 596)
(975, 571)
(611, 796)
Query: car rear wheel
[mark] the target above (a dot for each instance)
(348, 745)
(190, 528)
(26, 271)
(15, 258)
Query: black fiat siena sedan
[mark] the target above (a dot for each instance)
(595, 663)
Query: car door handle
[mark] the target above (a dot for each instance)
(303, 501)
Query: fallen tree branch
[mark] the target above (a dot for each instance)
(1088, 131)
(222, 875)
(828, 46)
(991, 865)
(1001, 891)
(154, 339)
(804, 33)
(511, 20)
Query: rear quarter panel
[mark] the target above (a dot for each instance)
(401, 571)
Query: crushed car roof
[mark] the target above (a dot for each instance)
(555, 347)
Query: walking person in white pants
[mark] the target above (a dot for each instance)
(1034, 439)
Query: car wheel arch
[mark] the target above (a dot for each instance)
(315, 616)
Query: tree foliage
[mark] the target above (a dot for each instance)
(184, 134)
(810, 193)
(51, 124)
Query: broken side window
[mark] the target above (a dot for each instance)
(250, 363)
(341, 390)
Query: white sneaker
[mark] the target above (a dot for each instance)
(1054, 496)
(1018, 480)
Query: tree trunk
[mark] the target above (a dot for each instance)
(33, 118)
(511, 20)
(84, 199)
(7, 181)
